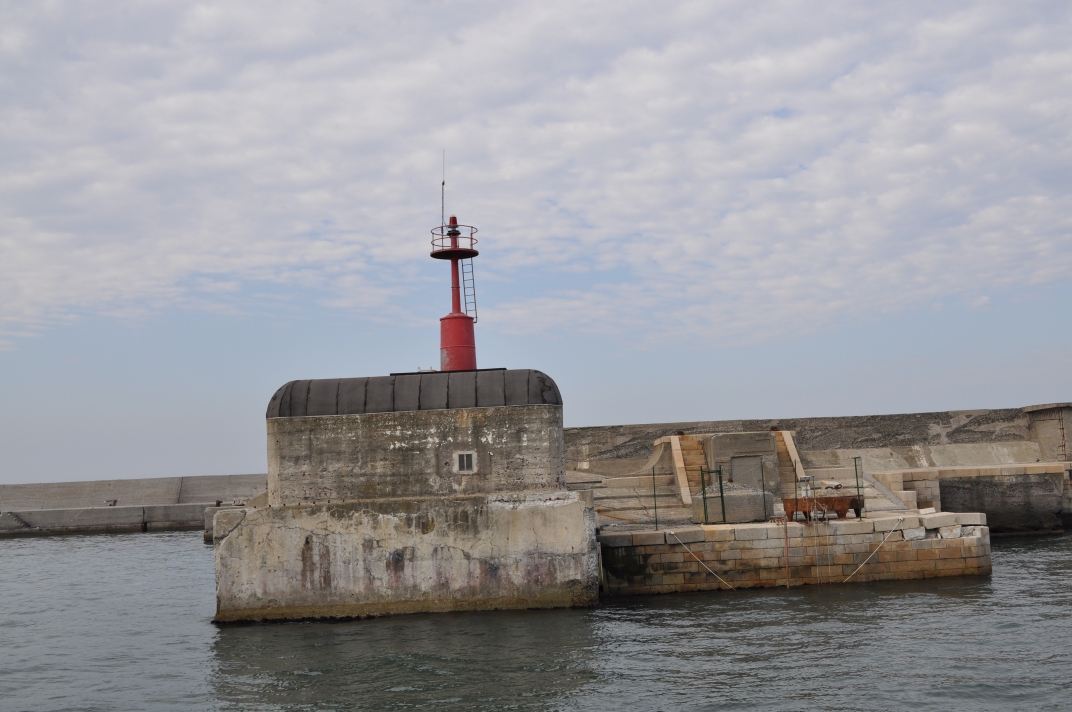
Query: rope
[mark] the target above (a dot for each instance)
(701, 561)
(875, 551)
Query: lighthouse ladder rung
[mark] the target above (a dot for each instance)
(469, 288)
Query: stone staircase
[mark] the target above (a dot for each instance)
(786, 469)
(790, 468)
(632, 499)
(692, 453)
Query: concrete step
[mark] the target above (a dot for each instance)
(614, 494)
(639, 481)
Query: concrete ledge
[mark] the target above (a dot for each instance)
(939, 519)
(616, 539)
(889, 524)
(648, 538)
(971, 519)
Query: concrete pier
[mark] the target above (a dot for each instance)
(104, 506)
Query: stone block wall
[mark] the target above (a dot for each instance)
(754, 555)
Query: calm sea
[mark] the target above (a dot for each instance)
(122, 623)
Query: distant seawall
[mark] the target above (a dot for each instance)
(98, 506)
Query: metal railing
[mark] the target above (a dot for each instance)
(454, 237)
(858, 465)
(721, 492)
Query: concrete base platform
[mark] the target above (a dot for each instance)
(388, 556)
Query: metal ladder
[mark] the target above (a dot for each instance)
(469, 288)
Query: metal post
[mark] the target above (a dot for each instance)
(858, 465)
(655, 497)
(703, 493)
(763, 488)
(721, 494)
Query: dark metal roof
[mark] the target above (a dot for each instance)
(415, 391)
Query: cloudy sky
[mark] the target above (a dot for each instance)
(687, 210)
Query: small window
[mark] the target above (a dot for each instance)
(465, 462)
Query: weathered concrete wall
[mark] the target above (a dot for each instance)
(377, 557)
(413, 454)
(754, 555)
(1017, 503)
(741, 507)
(967, 426)
(1050, 425)
(918, 456)
(723, 449)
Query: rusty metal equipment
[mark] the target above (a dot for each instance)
(816, 506)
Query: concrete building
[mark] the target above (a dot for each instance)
(407, 493)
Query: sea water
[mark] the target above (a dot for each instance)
(123, 623)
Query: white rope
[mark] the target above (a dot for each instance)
(875, 551)
(701, 561)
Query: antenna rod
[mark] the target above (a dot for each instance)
(443, 192)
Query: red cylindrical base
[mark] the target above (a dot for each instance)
(457, 343)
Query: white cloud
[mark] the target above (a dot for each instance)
(695, 169)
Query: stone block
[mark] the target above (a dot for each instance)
(853, 526)
(952, 532)
(971, 519)
(748, 532)
(914, 533)
(616, 539)
(890, 523)
(939, 519)
(718, 532)
(648, 538)
(685, 535)
(908, 497)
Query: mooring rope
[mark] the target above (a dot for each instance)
(890, 533)
(701, 561)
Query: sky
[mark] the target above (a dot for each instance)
(687, 211)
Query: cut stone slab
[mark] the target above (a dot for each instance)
(940, 519)
(648, 538)
(685, 535)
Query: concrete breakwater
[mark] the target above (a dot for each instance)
(1012, 464)
(101, 506)
(721, 556)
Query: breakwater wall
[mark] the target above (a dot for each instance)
(766, 554)
(102, 506)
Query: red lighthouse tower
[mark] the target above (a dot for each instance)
(457, 343)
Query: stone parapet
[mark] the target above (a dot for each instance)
(755, 555)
